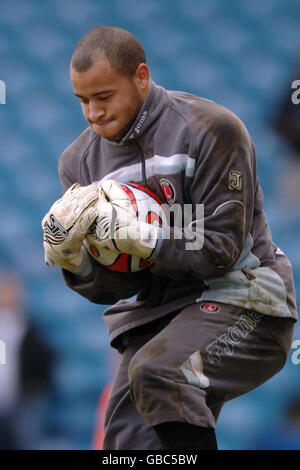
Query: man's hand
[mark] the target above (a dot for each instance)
(117, 226)
(66, 225)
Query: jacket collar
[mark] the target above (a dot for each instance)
(149, 112)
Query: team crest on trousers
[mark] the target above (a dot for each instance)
(209, 308)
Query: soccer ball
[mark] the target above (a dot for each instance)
(148, 208)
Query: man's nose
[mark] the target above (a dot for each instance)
(96, 111)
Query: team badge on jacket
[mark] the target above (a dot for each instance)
(168, 190)
(235, 180)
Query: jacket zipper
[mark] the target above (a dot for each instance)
(142, 160)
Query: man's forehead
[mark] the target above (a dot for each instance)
(101, 72)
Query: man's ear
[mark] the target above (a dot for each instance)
(142, 77)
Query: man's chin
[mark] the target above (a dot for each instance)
(107, 133)
(110, 136)
(113, 138)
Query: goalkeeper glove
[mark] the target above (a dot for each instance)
(118, 228)
(66, 225)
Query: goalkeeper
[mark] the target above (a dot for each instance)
(208, 324)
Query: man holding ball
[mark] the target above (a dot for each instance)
(208, 324)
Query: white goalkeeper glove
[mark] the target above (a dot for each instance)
(66, 225)
(118, 228)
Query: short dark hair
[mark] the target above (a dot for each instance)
(121, 48)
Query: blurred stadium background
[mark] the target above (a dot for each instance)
(239, 53)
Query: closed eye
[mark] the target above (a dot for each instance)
(104, 98)
(99, 98)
